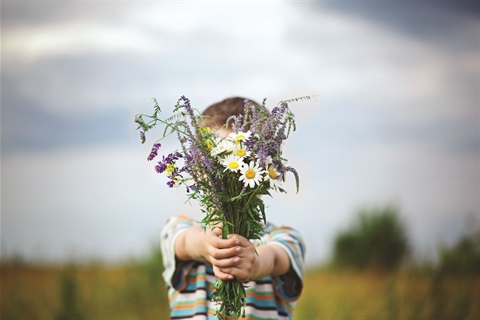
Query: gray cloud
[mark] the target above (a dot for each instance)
(431, 21)
(27, 128)
(34, 14)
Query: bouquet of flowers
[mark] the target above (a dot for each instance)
(227, 175)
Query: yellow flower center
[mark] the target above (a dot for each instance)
(241, 153)
(170, 168)
(272, 174)
(250, 174)
(233, 165)
(240, 137)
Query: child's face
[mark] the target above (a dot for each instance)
(222, 132)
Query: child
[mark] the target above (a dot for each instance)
(195, 256)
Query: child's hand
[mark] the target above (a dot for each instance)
(234, 257)
(231, 258)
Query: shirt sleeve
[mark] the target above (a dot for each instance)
(289, 286)
(174, 269)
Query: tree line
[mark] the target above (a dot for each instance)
(378, 239)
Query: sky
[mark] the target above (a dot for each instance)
(395, 120)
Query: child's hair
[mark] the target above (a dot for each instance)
(218, 113)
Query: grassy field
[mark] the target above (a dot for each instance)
(402, 295)
(136, 291)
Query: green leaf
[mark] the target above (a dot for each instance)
(264, 191)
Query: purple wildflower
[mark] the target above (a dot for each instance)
(170, 159)
(239, 123)
(142, 137)
(154, 151)
(295, 173)
(186, 103)
(262, 155)
(160, 167)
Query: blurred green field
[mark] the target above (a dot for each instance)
(135, 290)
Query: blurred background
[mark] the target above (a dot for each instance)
(392, 142)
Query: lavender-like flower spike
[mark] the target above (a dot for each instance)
(239, 123)
(295, 173)
(242, 120)
(142, 137)
(154, 151)
(191, 114)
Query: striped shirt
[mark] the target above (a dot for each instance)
(190, 283)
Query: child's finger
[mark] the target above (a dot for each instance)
(220, 243)
(225, 263)
(222, 275)
(223, 253)
(242, 241)
(217, 231)
(235, 272)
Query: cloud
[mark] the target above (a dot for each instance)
(387, 86)
(26, 127)
(76, 39)
(23, 15)
(435, 22)
(78, 65)
(139, 28)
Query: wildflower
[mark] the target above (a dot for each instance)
(154, 151)
(205, 130)
(166, 162)
(223, 146)
(239, 136)
(160, 167)
(142, 137)
(273, 177)
(251, 174)
(208, 145)
(232, 163)
(174, 182)
(295, 174)
(241, 152)
(170, 168)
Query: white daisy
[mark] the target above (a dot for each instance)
(241, 151)
(222, 146)
(239, 136)
(232, 163)
(252, 174)
(273, 177)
